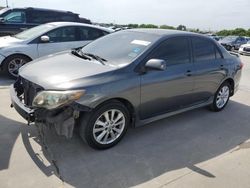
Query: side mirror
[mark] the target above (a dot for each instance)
(157, 64)
(2, 20)
(44, 38)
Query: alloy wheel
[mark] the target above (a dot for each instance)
(109, 126)
(14, 65)
(222, 97)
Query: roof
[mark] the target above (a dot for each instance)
(164, 32)
(44, 9)
(61, 24)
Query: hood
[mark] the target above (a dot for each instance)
(226, 42)
(60, 71)
(8, 40)
(245, 45)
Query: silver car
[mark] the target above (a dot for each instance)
(43, 40)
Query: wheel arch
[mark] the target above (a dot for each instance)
(130, 107)
(20, 54)
(232, 84)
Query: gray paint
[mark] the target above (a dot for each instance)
(152, 93)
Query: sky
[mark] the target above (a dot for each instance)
(203, 14)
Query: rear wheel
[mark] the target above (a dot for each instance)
(105, 126)
(12, 64)
(221, 97)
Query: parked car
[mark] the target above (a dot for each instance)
(43, 40)
(245, 49)
(127, 78)
(13, 21)
(213, 36)
(233, 42)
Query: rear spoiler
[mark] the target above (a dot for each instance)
(234, 54)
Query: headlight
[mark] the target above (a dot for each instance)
(54, 99)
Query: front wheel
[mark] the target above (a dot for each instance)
(12, 64)
(105, 126)
(221, 97)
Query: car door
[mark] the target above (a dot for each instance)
(60, 39)
(171, 89)
(209, 71)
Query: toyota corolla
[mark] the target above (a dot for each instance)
(128, 78)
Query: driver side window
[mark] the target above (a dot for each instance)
(173, 51)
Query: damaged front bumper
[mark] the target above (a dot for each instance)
(26, 112)
(62, 119)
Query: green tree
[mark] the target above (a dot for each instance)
(237, 32)
(167, 27)
(133, 25)
(148, 26)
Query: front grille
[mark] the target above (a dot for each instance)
(27, 90)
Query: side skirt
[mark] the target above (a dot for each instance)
(162, 116)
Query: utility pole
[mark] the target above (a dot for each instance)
(7, 4)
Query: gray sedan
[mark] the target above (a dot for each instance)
(128, 78)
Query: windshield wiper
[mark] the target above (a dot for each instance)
(96, 57)
(79, 53)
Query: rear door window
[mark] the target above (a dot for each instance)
(203, 49)
(67, 17)
(88, 33)
(173, 51)
(42, 16)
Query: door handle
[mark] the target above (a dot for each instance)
(189, 73)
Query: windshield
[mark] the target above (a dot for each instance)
(120, 48)
(229, 39)
(34, 32)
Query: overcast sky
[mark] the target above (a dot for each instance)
(203, 14)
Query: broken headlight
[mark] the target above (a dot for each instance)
(55, 99)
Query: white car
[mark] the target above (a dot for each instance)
(43, 40)
(245, 49)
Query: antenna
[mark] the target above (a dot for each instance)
(7, 4)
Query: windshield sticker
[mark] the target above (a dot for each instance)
(136, 50)
(141, 42)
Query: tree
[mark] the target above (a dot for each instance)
(148, 26)
(237, 32)
(166, 27)
(133, 25)
(182, 28)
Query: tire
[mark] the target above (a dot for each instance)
(12, 64)
(221, 97)
(99, 133)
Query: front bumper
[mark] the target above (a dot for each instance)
(26, 112)
(62, 119)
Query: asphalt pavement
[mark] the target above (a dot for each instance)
(198, 148)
